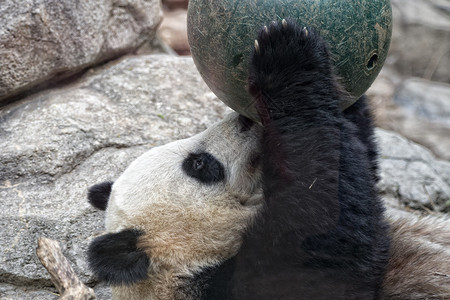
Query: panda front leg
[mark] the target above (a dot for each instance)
(297, 98)
(322, 233)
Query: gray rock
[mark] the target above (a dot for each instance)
(410, 174)
(420, 42)
(426, 118)
(58, 143)
(426, 100)
(13, 292)
(45, 39)
(417, 109)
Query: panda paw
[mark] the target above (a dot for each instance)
(279, 37)
(288, 60)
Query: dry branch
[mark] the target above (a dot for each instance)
(63, 277)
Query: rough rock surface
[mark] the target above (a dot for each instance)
(426, 117)
(427, 100)
(40, 39)
(410, 174)
(420, 38)
(417, 109)
(59, 142)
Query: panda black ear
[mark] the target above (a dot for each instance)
(115, 258)
(98, 195)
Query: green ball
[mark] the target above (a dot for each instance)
(222, 33)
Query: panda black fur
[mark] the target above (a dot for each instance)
(287, 210)
(322, 224)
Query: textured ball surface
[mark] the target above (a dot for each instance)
(222, 33)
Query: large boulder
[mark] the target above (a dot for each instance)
(420, 40)
(40, 39)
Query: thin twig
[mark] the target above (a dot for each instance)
(63, 277)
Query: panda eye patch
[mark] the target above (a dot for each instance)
(204, 167)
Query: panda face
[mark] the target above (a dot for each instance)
(190, 201)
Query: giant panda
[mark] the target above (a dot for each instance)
(285, 209)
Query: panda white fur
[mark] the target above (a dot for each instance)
(189, 225)
(286, 210)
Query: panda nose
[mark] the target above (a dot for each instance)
(245, 123)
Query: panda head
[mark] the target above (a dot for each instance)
(181, 207)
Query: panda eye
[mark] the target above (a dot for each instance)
(204, 167)
(198, 164)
